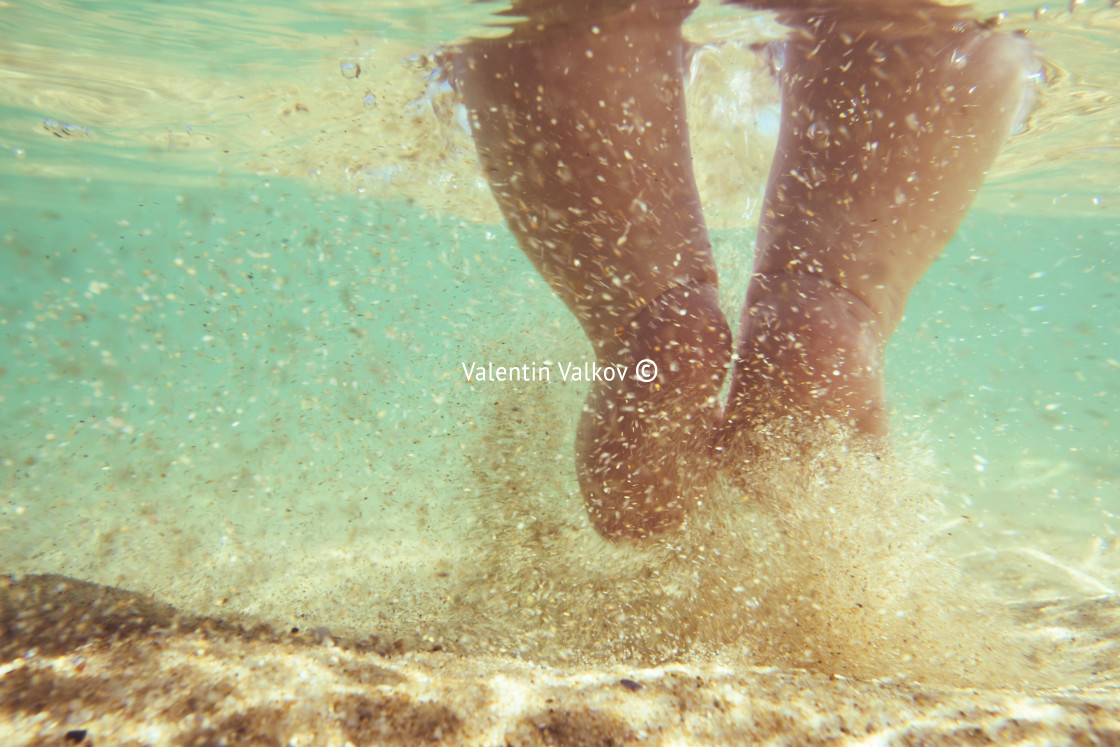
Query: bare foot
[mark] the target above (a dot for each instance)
(640, 444)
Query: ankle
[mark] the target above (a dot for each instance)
(810, 348)
(681, 329)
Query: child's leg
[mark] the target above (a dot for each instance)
(580, 126)
(888, 126)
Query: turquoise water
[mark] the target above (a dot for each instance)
(241, 279)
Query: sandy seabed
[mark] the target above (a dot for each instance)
(83, 664)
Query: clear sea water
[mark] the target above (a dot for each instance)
(245, 251)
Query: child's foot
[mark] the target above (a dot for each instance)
(639, 444)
